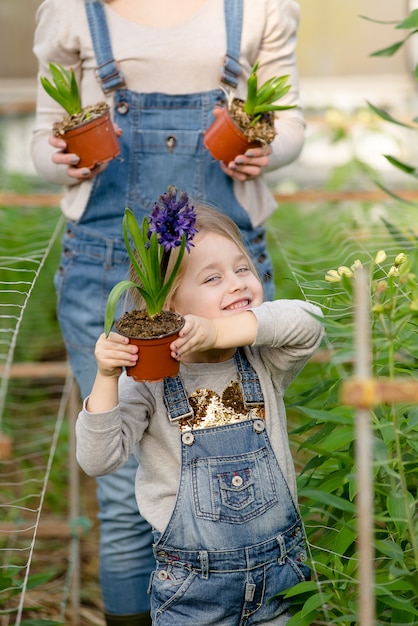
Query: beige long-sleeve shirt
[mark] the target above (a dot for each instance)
(185, 58)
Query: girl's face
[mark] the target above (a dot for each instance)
(217, 280)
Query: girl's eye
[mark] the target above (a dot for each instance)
(211, 279)
(243, 269)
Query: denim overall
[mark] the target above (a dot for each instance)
(235, 538)
(161, 145)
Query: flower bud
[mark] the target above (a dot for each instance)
(380, 257)
(332, 276)
(378, 308)
(400, 259)
(394, 271)
(380, 286)
(343, 270)
(356, 265)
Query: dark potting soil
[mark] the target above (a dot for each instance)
(262, 131)
(86, 115)
(138, 324)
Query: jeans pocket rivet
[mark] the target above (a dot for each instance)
(122, 108)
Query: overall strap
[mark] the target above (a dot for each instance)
(108, 73)
(177, 403)
(233, 24)
(175, 399)
(250, 383)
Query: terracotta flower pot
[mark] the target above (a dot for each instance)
(154, 358)
(224, 139)
(94, 141)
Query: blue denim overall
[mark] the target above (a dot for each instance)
(235, 538)
(161, 145)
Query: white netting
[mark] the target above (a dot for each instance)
(306, 241)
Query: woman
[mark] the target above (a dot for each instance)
(159, 65)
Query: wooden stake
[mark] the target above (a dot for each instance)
(364, 454)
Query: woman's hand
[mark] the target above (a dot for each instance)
(249, 165)
(246, 166)
(70, 160)
(113, 353)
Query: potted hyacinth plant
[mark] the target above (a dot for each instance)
(249, 123)
(88, 131)
(170, 225)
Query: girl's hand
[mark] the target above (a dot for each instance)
(197, 335)
(65, 158)
(249, 165)
(113, 353)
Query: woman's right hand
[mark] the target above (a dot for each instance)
(60, 157)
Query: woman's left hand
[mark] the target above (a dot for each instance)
(249, 165)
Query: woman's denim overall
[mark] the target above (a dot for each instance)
(161, 145)
(235, 538)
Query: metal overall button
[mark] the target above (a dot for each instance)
(187, 439)
(237, 481)
(161, 554)
(170, 142)
(259, 426)
(122, 108)
(162, 574)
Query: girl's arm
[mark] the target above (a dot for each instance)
(286, 324)
(200, 334)
(112, 354)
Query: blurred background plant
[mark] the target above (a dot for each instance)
(407, 28)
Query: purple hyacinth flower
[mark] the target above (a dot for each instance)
(171, 218)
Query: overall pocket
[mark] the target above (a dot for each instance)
(167, 157)
(233, 489)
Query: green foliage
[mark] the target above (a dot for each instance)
(261, 99)
(24, 237)
(410, 25)
(170, 225)
(146, 259)
(10, 584)
(63, 89)
(328, 484)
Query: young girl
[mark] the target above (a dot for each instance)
(215, 477)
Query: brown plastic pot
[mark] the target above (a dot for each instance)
(154, 357)
(94, 141)
(224, 139)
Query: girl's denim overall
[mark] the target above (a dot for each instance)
(235, 538)
(161, 145)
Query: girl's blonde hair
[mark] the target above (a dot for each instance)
(209, 220)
